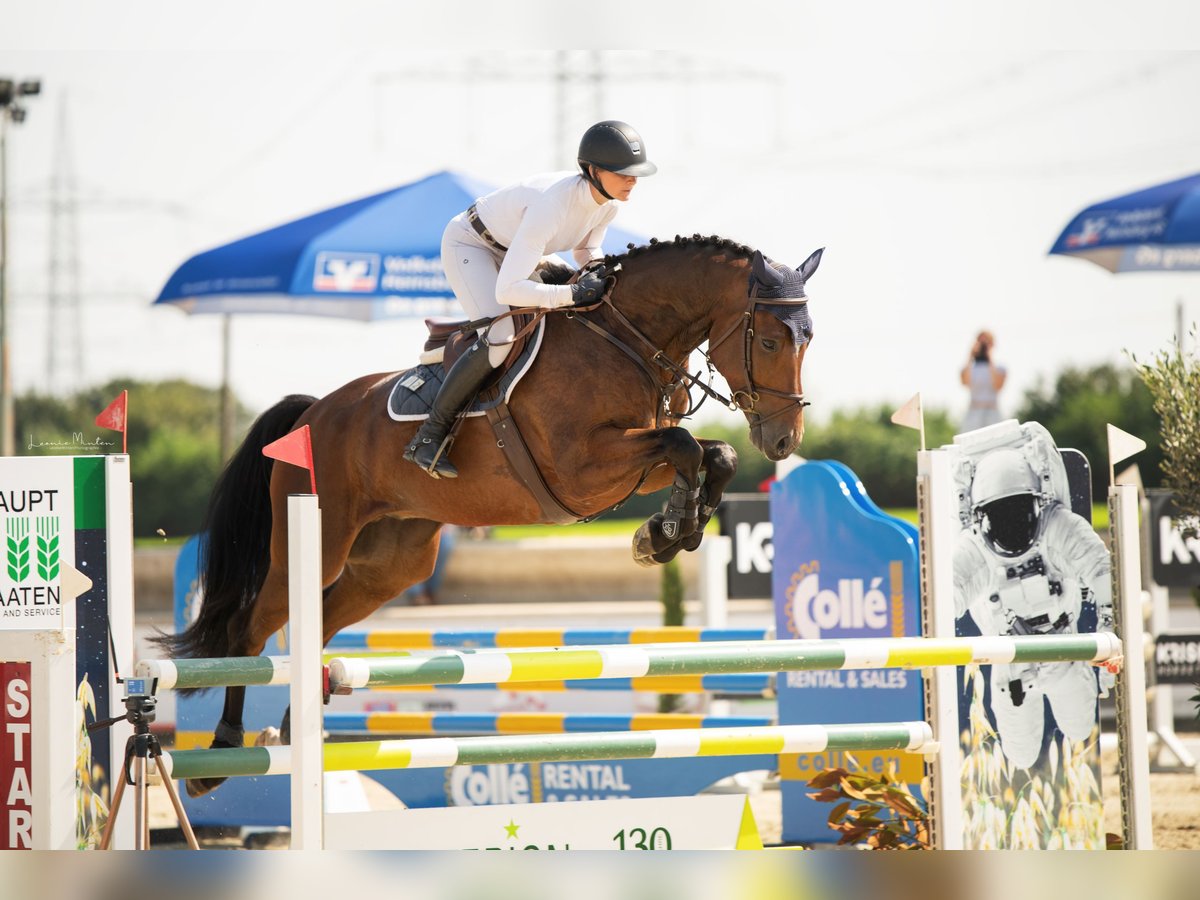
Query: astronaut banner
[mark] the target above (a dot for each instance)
(1027, 561)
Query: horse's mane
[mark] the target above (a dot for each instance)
(714, 241)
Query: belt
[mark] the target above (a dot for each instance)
(481, 229)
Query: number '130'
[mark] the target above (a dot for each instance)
(638, 839)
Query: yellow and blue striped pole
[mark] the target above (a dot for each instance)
(385, 639)
(525, 722)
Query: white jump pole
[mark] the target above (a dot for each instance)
(935, 505)
(1132, 743)
(307, 689)
(716, 550)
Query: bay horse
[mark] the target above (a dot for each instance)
(600, 411)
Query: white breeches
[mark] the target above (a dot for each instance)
(472, 268)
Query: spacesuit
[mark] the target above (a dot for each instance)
(1026, 565)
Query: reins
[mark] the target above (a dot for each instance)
(744, 400)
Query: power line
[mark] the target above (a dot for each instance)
(995, 117)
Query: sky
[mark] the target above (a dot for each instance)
(933, 149)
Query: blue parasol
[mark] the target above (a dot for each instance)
(1152, 230)
(378, 257)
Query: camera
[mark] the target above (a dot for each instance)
(140, 702)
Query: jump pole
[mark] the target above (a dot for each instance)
(935, 494)
(307, 679)
(1133, 767)
(425, 753)
(515, 667)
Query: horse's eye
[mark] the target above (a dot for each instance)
(769, 345)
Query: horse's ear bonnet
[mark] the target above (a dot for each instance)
(775, 281)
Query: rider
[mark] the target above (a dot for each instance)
(491, 253)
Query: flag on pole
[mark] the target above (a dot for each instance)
(910, 415)
(295, 448)
(1121, 445)
(115, 417)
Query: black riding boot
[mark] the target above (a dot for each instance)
(428, 448)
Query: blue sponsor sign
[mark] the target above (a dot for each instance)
(843, 569)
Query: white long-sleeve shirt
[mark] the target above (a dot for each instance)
(540, 216)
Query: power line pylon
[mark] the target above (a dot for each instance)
(64, 330)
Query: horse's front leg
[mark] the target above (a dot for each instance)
(663, 530)
(719, 466)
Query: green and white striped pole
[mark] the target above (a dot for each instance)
(423, 753)
(517, 666)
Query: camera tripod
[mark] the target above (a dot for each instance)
(141, 746)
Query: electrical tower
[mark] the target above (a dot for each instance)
(579, 79)
(64, 312)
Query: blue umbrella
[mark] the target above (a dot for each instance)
(1152, 230)
(378, 257)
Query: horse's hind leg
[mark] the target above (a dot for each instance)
(388, 556)
(245, 639)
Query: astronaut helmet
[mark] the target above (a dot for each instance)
(1007, 502)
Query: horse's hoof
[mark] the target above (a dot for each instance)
(268, 737)
(643, 546)
(198, 787)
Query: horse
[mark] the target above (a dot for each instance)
(600, 411)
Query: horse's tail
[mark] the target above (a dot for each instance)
(236, 553)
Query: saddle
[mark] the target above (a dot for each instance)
(447, 341)
(413, 391)
(411, 397)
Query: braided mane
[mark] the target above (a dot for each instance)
(714, 241)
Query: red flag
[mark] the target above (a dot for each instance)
(114, 417)
(295, 448)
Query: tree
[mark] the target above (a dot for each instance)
(1076, 408)
(1173, 380)
(880, 453)
(173, 436)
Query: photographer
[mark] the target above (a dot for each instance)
(984, 379)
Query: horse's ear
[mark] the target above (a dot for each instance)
(763, 271)
(809, 266)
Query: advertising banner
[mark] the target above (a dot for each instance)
(843, 569)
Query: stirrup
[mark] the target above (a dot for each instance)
(439, 466)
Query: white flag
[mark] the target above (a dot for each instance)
(1122, 445)
(909, 415)
(74, 583)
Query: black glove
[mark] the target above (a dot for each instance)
(587, 290)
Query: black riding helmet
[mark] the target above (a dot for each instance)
(614, 146)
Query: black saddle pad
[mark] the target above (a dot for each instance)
(411, 396)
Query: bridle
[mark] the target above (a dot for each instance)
(747, 400)
(744, 399)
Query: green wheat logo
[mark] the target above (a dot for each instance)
(47, 548)
(18, 549)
